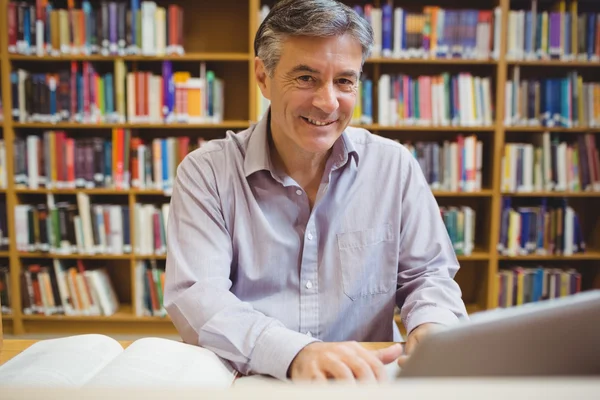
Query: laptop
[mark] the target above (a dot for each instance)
(557, 337)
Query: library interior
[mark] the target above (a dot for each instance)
(496, 103)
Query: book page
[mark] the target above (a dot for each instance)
(64, 362)
(157, 362)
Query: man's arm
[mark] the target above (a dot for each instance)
(197, 295)
(427, 262)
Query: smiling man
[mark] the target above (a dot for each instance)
(294, 239)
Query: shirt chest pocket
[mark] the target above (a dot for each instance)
(368, 260)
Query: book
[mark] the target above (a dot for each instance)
(94, 360)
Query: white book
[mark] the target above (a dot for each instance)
(568, 231)
(376, 24)
(33, 144)
(384, 99)
(99, 361)
(63, 289)
(561, 167)
(116, 226)
(398, 31)
(148, 9)
(83, 205)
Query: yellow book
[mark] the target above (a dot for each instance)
(357, 112)
(574, 26)
(544, 33)
(520, 281)
(194, 99)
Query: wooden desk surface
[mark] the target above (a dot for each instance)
(13, 347)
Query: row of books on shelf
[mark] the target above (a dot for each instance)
(439, 100)
(550, 228)
(460, 224)
(66, 227)
(149, 289)
(436, 32)
(522, 285)
(453, 166)
(67, 287)
(558, 33)
(83, 95)
(551, 165)
(105, 28)
(552, 102)
(121, 162)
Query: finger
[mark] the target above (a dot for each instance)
(411, 343)
(402, 360)
(389, 354)
(374, 363)
(319, 376)
(337, 369)
(360, 368)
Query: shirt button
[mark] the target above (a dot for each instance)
(299, 192)
(309, 236)
(308, 334)
(308, 284)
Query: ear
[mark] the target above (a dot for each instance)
(261, 78)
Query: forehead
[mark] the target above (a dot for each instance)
(328, 54)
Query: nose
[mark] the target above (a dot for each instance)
(326, 98)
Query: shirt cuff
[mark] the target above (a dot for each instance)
(430, 315)
(275, 350)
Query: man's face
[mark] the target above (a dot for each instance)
(313, 91)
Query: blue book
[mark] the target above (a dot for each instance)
(108, 162)
(528, 33)
(27, 29)
(368, 100)
(165, 163)
(109, 94)
(591, 35)
(387, 30)
(135, 6)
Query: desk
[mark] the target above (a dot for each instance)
(14, 346)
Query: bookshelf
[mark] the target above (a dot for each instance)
(221, 34)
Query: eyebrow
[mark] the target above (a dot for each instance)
(306, 68)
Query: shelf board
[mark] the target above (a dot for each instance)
(440, 61)
(590, 256)
(96, 191)
(4, 254)
(76, 256)
(552, 194)
(97, 57)
(553, 63)
(7, 317)
(415, 128)
(124, 314)
(481, 193)
(541, 129)
(74, 125)
(150, 257)
(475, 256)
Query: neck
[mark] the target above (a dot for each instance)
(305, 168)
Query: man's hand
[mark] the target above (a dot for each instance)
(416, 336)
(321, 361)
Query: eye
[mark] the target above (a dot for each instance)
(346, 82)
(306, 79)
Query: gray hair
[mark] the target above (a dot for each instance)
(316, 18)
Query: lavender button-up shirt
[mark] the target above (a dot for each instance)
(254, 274)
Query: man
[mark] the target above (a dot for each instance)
(295, 238)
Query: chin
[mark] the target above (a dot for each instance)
(318, 139)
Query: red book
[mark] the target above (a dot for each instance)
(12, 26)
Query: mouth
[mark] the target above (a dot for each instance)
(315, 122)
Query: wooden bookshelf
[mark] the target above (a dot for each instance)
(222, 33)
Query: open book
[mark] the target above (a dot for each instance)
(98, 360)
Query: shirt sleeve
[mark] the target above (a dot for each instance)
(427, 291)
(197, 285)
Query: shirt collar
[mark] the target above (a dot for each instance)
(258, 156)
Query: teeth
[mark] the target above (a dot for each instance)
(318, 123)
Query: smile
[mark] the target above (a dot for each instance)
(318, 123)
